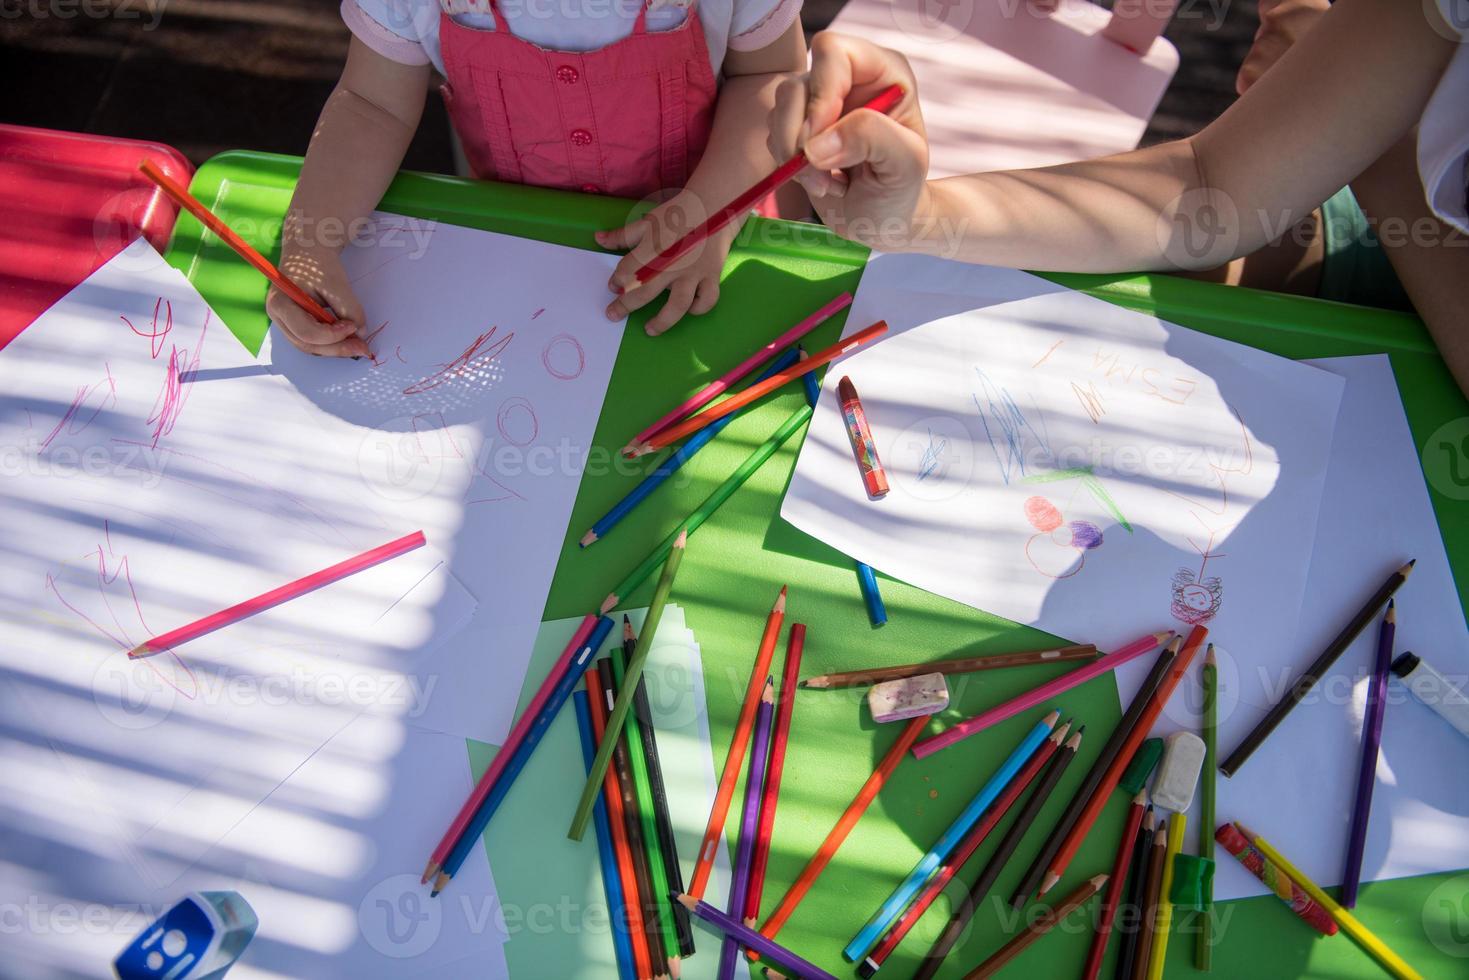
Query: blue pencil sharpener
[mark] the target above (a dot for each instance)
(198, 939)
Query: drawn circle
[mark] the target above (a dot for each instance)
(931, 460)
(397, 918)
(1042, 514)
(133, 694)
(1052, 554)
(557, 354)
(1446, 459)
(1446, 916)
(517, 421)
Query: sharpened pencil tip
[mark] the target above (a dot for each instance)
(1392, 612)
(1050, 720)
(687, 901)
(768, 695)
(429, 871)
(1209, 659)
(1099, 880)
(141, 650)
(589, 538)
(1408, 568)
(682, 540)
(1049, 883)
(608, 604)
(780, 601)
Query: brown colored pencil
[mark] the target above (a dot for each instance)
(959, 665)
(1048, 919)
(1152, 894)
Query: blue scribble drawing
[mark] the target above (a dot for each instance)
(931, 456)
(1010, 433)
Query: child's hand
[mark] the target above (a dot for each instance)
(867, 169)
(319, 272)
(692, 281)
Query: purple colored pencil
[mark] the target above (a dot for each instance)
(739, 879)
(765, 947)
(1371, 742)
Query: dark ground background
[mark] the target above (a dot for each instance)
(252, 74)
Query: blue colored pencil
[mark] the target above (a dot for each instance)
(559, 696)
(611, 883)
(941, 849)
(675, 460)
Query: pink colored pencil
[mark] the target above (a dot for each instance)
(285, 593)
(502, 758)
(1035, 696)
(723, 383)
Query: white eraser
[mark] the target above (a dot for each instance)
(1178, 773)
(908, 697)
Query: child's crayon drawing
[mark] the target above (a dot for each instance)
(558, 354)
(90, 401)
(473, 363)
(1014, 440)
(933, 455)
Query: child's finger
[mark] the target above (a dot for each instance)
(680, 296)
(627, 269)
(618, 239)
(349, 345)
(705, 296)
(636, 299)
(302, 326)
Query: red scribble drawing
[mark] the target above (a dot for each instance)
(432, 439)
(505, 418)
(538, 313)
(368, 339)
(156, 334)
(480, 494)
(1049, 351)
(90, 401)
(115, 588)
(398, 353)
(563, 340)
(476, 356)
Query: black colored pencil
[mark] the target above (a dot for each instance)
(1366, 614)
(1024, 819)
(622, 770)
(1152, 893)
(644, 714)
(1042, 863)
(1127, 948)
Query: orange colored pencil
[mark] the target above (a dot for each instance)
(770, 793)
(612, 796)
(754, 392)
(1104, 789)
(734, 760)
(226, 234)
(843, 827)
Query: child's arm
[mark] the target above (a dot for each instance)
(358, 145)
(735, 158)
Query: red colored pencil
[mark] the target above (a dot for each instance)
(734, 760)
(779, 737)
(612, 797)
(883, 102)
(276, 596)
(755, 392)
(1113, 898)
(226, 234)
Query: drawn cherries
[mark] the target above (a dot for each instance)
(1058, 549)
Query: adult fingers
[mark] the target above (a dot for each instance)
(893, 153)
(848, 71)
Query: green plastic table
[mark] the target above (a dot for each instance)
(738, 561)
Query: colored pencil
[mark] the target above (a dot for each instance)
(485, 812)
(735, 757)
(1035, 696)
(653, 766)
(762, 946)
(739, 879)
(941, 848)
(839, 831)
(1031, 881)
(1349, 923)
(1109, 779)
(1152, 888)
(647, 807)
(883, 102)
(1351, 881)
(284, 593)
(517, 735)
(961, 665)
(670, 465)
(976, 836)
(712, 503)
(1256, 863)
(877, 613)
(606, 856)
(1047, 921)
(611, 797)
(1204, 939)
(1163, 921)
(226, 234)
(1115, 887)
(720, 385)
(1137, 872)
(770, 792)
(1316, 671)
(638, 844)
(757, 390)
(624, 698)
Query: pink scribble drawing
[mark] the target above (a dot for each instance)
(562, 373)
(114, 575)
(156, 334)
(476, 356)
(181, 361)
(475, 489)
(506, 415)
(97, 397)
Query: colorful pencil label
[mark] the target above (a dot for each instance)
(864, 448)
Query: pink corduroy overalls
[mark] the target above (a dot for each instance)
(630, 119)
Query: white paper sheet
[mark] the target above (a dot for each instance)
(1068, 464)
(154, 475)
(491, 360)
(1298, 788)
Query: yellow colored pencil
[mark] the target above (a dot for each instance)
(1177, 824)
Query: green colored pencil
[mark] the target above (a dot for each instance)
(711, 503)
(647, 812)
(618, 717)
(1204, 943)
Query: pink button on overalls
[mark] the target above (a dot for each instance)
(629, 119)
